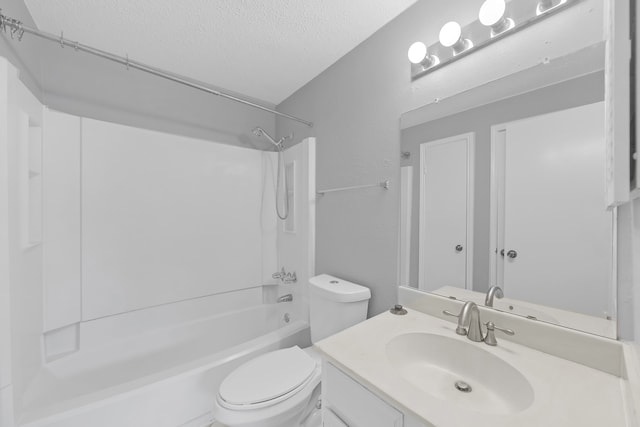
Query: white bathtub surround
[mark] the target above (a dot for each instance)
(20, 212)
(148, 289)
(268, 219)
(165, 218)
(6, 388)
(177, 368)
(158, 218)
(62, 201)
(135, 353)
(61, 342)
(296, 240)
(561, 392)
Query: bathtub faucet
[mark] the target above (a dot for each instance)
(285, 277)
(286, 298)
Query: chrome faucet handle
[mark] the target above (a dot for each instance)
(460, 329)
(278, 274)
(291, 278)
(490, 338)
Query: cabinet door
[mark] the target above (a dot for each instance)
(352, 404)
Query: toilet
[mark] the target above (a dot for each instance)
(282, 388)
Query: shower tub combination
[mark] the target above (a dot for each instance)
(161, 377)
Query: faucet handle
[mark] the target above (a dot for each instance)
(278, 274)
(460, 330)
(490, 338)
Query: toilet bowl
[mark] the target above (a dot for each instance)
(282, 388)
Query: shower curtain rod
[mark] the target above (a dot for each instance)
(15, 28)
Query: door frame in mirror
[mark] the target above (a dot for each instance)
(470, 139)
(618, 101)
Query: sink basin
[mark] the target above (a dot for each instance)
(460, 372)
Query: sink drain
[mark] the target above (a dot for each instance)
(463, 387)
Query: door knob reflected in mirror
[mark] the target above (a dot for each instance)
(459, 248)
(502, 253)
(512, 254)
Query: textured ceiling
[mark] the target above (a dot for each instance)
(266, 49)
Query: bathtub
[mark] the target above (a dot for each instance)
(166, 377)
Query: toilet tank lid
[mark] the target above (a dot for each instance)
(339, 290)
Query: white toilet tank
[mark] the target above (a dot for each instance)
(334, 305)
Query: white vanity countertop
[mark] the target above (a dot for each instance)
(566, 393)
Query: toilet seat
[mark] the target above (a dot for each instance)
(274, 377)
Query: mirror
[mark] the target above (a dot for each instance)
(503, 185)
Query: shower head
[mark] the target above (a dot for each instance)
(258, 131)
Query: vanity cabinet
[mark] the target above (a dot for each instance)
(347, 403)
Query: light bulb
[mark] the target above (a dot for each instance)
(491, 12)
(451, 36)
(545, 6)
(417, 52)
(450, 33)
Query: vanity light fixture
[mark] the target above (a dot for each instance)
(451, 36)
(545, 6)
(418, 54)
(492, 14)
(496, 19)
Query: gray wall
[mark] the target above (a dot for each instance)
(573, 93)
(356, 104)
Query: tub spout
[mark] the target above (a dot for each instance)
(286, 298)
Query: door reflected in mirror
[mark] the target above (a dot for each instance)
(512, 194)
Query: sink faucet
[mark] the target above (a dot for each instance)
(468, 321)
(493, 292)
